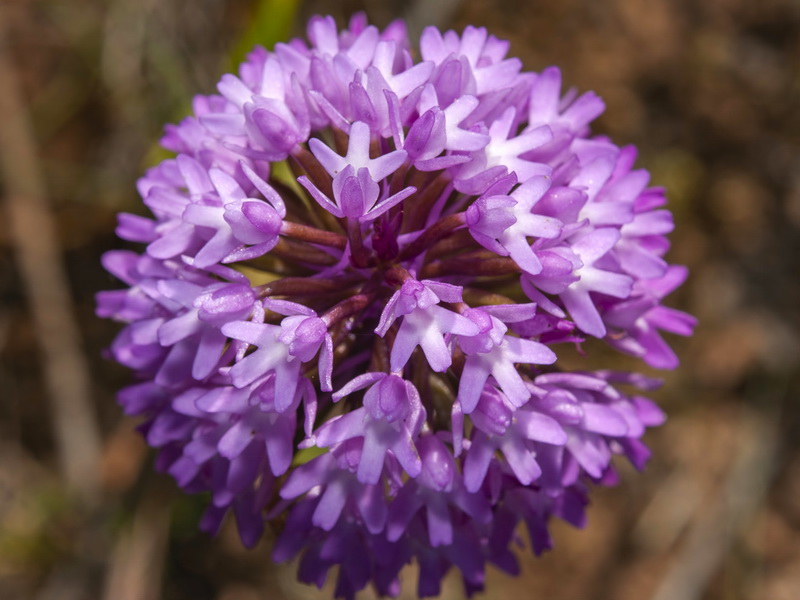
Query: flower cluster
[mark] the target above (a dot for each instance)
(357, 273)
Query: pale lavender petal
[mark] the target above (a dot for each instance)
(330, 505)
(476, 465)
(372, 456)
(440, 527)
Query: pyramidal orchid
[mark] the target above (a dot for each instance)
(360, 269)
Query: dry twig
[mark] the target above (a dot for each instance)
(137, 564)
(40, 262)
(709, 541)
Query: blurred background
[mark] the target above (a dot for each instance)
(709, 92)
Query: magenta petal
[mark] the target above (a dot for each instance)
(372, 456)
(372, 506)
(235, 440)
(403, 508)
(209, 352)
(280, 449)
(540, 428)
(306, 476)
(521, 461)
(406, 454)
(330, 505)
(341, 428)
(477, 462)
(470, 386)
(584, 312)
(440, 527)
(604, 420)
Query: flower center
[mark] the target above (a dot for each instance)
(345, 262)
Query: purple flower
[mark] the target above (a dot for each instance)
(366, 342)
(493, 353)
(434, 491)
(391, 417)
(282, 349)
(425, 323)
(503, 224)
